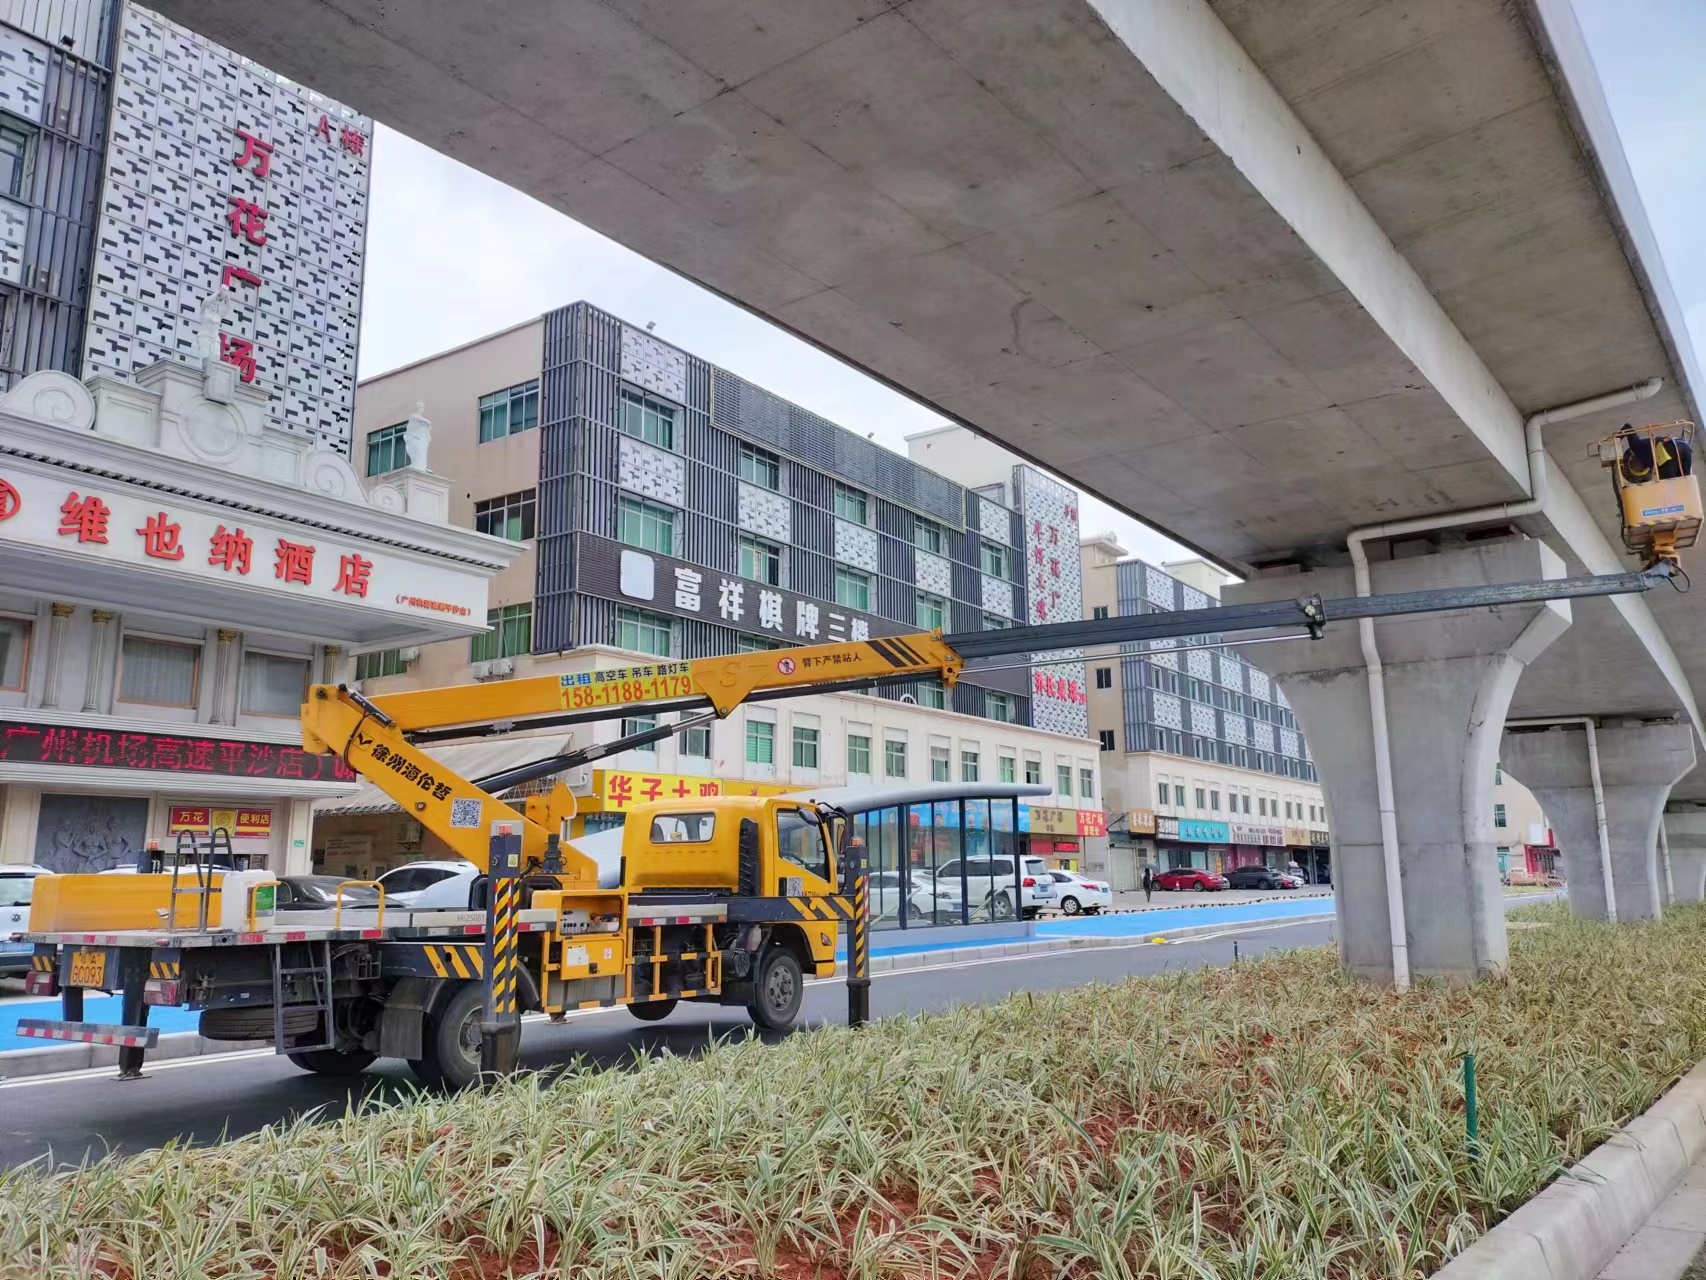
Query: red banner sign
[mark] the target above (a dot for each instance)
(25, 743)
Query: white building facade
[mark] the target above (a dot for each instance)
(176, 567)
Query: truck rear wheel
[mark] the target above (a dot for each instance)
(334, 1062)
(653, 1010)
(451, 1041)
(781, 988)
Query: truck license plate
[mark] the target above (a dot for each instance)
(88, 969)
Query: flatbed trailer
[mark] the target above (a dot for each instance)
(727, 900)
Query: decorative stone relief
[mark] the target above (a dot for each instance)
(1261, 735)
(1168, 660)
(330, 473)
(933, 574)
(1158, 587)
(1194, 599)
(1260, 686)
(998, 596)
(1231, 673)
(654, 365)
(1201, 664)
(856, 545)
(52, 397)
(1167, 711)
(994, 522)
(763, 511)
(656, 473)
(1202, 721)
(1236, 728)
(1288, 742)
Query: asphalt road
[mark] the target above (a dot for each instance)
(68, 1118)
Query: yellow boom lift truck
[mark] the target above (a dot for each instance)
(726, 900)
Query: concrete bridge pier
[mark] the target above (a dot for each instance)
(1639, 763)
(1448, 680)
(1685, 834)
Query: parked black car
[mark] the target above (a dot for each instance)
(1262, 878)
(320, 893)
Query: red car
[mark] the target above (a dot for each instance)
(1190, 878)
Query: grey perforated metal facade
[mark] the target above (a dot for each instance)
(588, 465)
(1212, 705)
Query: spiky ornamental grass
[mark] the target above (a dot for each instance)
(1270, 1121)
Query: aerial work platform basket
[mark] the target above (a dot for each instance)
(1658, 494)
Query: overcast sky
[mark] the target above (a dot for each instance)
(453, 255)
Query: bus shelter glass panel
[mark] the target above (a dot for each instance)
(1004, 836)
(880, 830)
(938, 864)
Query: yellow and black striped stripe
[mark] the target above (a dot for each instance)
(897, 653)
(456, 960)
(835, 908)
(41, 963)
(505, 958)
(859, 948)
(165, 968)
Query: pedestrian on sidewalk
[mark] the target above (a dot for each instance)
(1148, 883)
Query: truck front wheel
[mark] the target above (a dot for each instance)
(781, 988)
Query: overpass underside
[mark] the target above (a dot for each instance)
(1260, 272)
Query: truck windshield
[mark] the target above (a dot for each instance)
(801, 843)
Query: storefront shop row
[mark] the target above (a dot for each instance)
(1145, 838)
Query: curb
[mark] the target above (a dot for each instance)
(50, 1059)
(1575, 1226)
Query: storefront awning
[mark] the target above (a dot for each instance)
(469, 759)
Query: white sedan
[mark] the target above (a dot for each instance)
(1077, 895)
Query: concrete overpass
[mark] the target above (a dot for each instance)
(1260, 271)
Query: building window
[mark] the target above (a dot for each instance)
(760, 742)
(995, 622)
(1179, 795)
(387, 450)
(1165, 793)
(14, 159)
(805, 747)
(163, 674)
(510, 516)
(1087, 783)
(1214, 801)
(1000, 706)
(927, 536)
(274, 685)
(14, 652)
(1033, 770)
(994, 560)
(646, 418)
(1100, 611)
(1009, 768)
(1498, 815)
(1063, 779)
(1246, 802)
(894, 758)
(1202, 798)
(852, 504)
(929, 612)
(1498, 774)
(852, 588)
(1106, 737)
(647, 525)
(386, 662)
(756, 644)
(1104, 677)
(969, 765)
(760, 561)
(938, 764)
(644, 632)
(632, 725)
(858, 754)
(933, 695)
(760, 467)
(510, 411)
(695, 742)
(511, 634)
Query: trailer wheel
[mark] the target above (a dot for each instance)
(653, 1010)
(334, 1062)
(781, 987)
(451, 1041)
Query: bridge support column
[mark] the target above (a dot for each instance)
(1685, 833)
(1448, 681)
(1638, 765)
